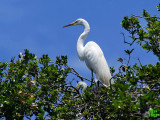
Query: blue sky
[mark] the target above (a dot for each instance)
(37, 26)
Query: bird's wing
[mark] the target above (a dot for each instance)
(96, 61)
(93, 55)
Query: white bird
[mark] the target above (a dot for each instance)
(82, 84)
(21, 55)
(92, 54)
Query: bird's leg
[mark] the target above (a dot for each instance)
(98, 83)
(91, 78)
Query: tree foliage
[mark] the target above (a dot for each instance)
(33, 87)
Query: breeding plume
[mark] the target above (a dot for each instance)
(92, 54)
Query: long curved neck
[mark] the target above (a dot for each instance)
(81, 39)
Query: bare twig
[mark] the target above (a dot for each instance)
(139, 62)
(73, 71)
(76, 73)
(73, 88)
(134, 39)
(129, 59)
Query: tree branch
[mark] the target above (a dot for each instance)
(134, 39)
(73, 71)
(76, 73)
(145, 17)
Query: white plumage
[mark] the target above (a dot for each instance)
(92, 54)
(81, 84)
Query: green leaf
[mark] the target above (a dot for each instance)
(158, 7)
(129, 51)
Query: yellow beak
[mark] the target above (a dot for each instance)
(69, 24)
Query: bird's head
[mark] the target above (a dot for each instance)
(79, 21)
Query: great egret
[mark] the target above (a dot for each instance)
(82, 84)
(92, 54)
